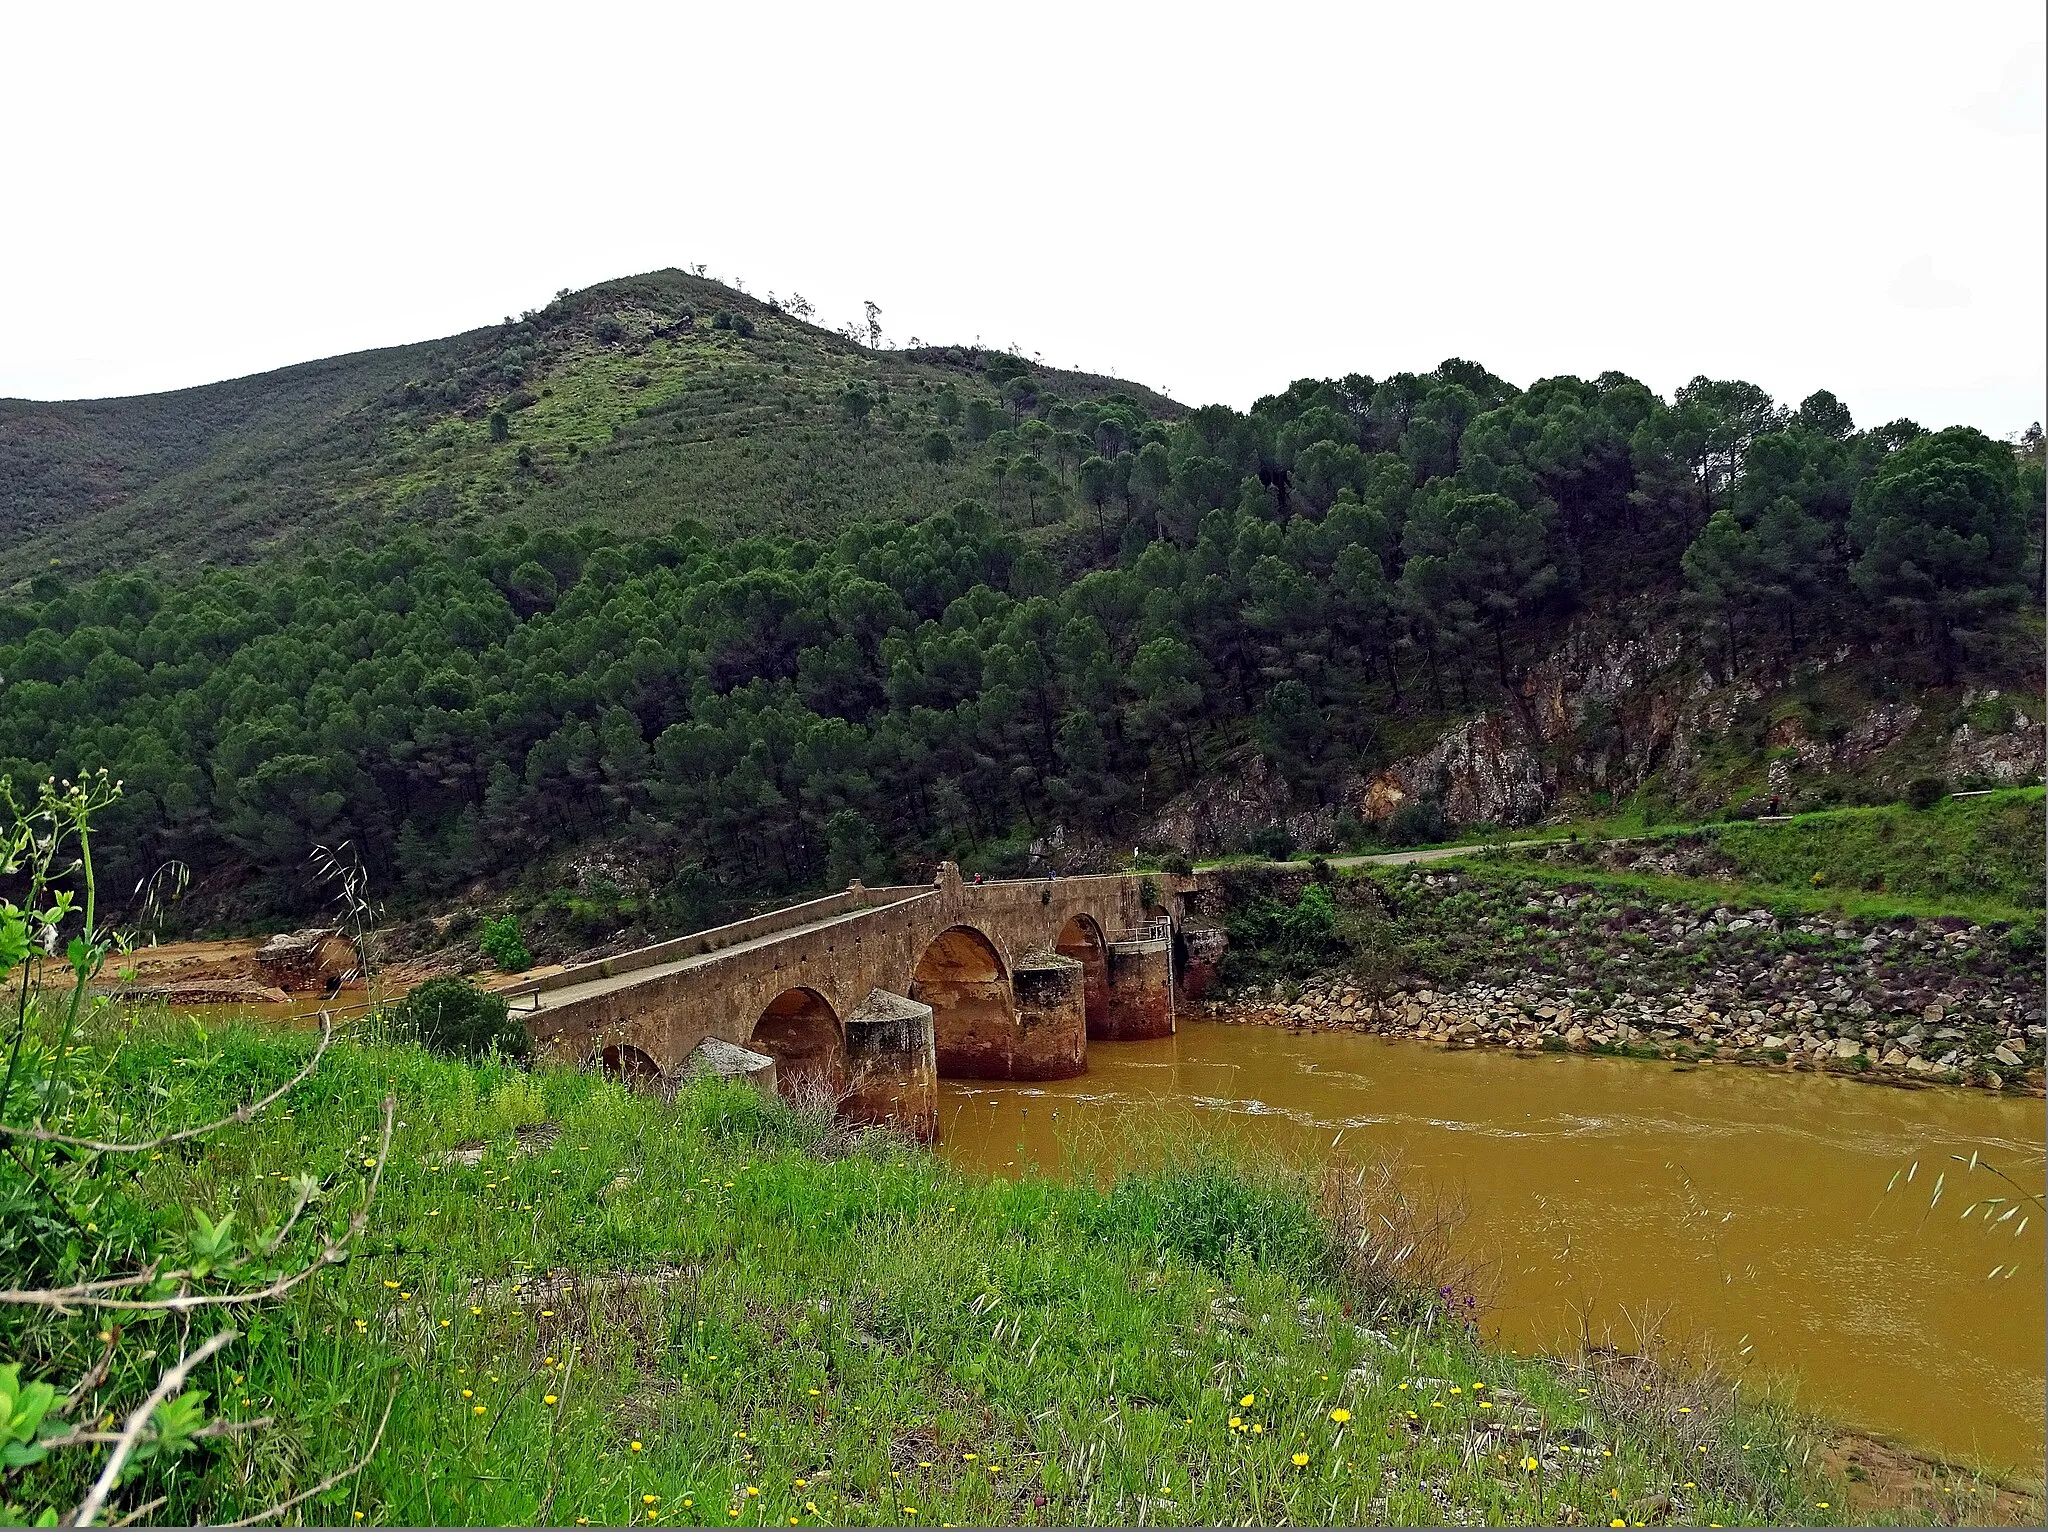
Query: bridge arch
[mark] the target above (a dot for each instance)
(1081, 939)
(633, 1066)
(801, 1032)
(962, 977)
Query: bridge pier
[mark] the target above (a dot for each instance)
(1140, 1002)
(1051, 1041)
(892, 1073)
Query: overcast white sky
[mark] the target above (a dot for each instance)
(1215, 202)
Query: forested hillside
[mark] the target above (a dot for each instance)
(635, 401)
(1034, 605)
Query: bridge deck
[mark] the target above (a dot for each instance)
(603, 984)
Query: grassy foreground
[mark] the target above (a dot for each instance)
(714, 1311)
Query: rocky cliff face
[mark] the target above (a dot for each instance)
(1625, 701)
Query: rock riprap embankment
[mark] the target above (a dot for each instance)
(1494, 961)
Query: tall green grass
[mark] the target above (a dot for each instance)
(1985, 851)
(711, 1311)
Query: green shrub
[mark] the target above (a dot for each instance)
(1271, 842)
(1418, 822)
(1176, 862)
(501, 942)
(453, 1016)
(1271, 938)
(1925, 792)
(1216, 1218)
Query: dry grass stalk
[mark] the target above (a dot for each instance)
(1396, 1241)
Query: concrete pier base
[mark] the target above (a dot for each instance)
(729, 1061)
(1051, 1040)
(1140, 990)
(892, 1066)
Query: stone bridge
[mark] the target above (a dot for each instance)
(870, 995)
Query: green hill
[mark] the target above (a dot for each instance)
(668, 594)
(638, 402)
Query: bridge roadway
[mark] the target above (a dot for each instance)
(868, 996)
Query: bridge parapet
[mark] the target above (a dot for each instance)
(697, 943)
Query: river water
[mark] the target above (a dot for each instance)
(1740, 1211)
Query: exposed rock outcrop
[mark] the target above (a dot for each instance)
(1624, 698)
(1481, 770)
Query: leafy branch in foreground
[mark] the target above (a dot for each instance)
(54, 1180)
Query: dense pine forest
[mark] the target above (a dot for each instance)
(1069, 601)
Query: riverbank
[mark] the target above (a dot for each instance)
(1562, 956)
(1530, 1016)
(576, 1303)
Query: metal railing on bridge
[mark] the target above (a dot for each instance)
(1160, 930)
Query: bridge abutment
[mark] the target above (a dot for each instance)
(1202, 950)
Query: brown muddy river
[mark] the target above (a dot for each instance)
(1731, 1208)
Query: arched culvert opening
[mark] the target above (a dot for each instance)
(962, 978)
(800, 1031)
(1081, 940)
(622, 1061)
